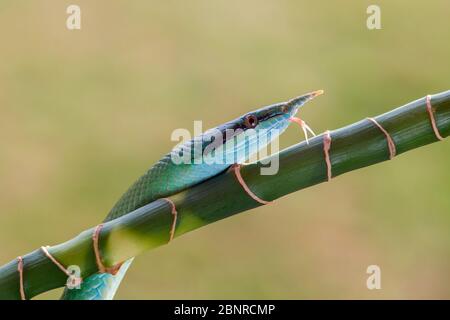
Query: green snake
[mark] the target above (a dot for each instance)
(167, 177)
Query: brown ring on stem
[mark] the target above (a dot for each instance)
(390, 141)
(432, 119)
(175, 216)
(20, 270)
(98, 259)
(52, 259)
(237, 172)
(326, 151)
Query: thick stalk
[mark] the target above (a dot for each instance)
(355, 146)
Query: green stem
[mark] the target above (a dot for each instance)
(355, 146)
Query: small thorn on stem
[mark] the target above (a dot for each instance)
(304, 127)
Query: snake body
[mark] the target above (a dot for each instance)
(166, 177)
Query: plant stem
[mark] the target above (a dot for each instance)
(355, 146)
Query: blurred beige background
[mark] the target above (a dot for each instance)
(84, 113)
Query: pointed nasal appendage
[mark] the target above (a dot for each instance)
(301, 100)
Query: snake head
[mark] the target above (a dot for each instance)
(255, 129)
(277, 115)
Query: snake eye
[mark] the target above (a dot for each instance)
(251, 121)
